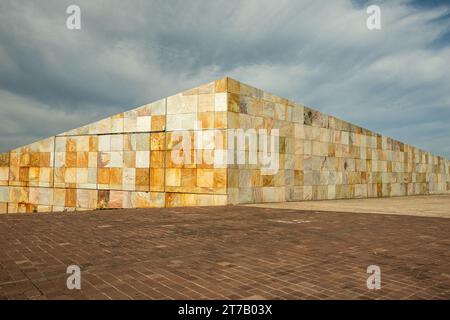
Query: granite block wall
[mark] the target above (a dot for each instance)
(132, 159)
(322, 157)
(198, 118)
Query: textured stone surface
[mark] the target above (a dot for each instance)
(126, 160)
(230, 252)
(322, 157)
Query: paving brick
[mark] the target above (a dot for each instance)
(232, 252)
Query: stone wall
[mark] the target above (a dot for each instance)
(323, 157)
(126, 160)
(123, 161)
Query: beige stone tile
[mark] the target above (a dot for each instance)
(4, 193)
(143, 124)
(180, 103)
(221, 102)
(206, 102)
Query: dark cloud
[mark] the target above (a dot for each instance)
(393, 81)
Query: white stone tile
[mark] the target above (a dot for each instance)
(117, 125)
(220, 102)
(143, 124)
(142, 159)
(82, 175)
(60, 144)
(158, 108)
(116, 160)
(104, 143)
(129, 124)
(116, 142)
(60, 159)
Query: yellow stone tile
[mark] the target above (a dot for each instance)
(221, 85)
(157, 179)
(233, 86)
(157, 141)
(156, 159)
(206, 120)
(205, 178)
(173, 177)
(233, 102)
(189, 177)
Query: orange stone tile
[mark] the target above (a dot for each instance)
(93, 143)
(157, 159)
(44, 159)
(157, 179)
(29, 208)
(142, 177)
(71, 198)
(82, 159)
(103, 175)
(189, 177)
(33, 174)
(206, 119)
(34, 159)
(220, 120)
(158, 123)
(157, 141)
(71, 145)
(221, 85)
(24, 174)
(187, 199)
(71, 159)
(115, 176)
(24, 159)
(220, 178)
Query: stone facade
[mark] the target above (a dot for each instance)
(126, 160)
(323, 157)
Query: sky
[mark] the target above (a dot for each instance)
(394, 81)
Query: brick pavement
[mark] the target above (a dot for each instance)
(223, 253)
